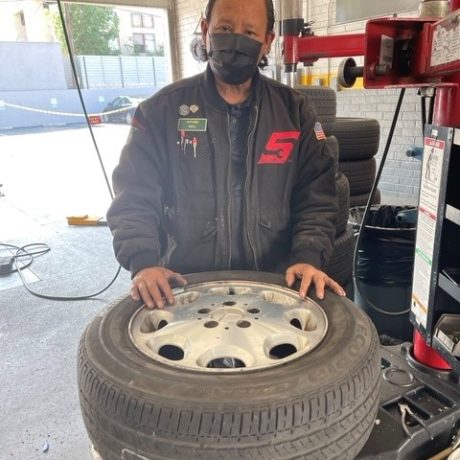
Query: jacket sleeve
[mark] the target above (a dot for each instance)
(314, 197)
(135, 214)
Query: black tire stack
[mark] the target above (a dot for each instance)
(358, 140)
(354, 142)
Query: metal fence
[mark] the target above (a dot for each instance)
(120, 71)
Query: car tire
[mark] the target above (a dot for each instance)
(361, 199)
(333, 146)
(321, 405)
(325, 102)
(340, 267)
(358, 138)
(360, 174)
(343, 197)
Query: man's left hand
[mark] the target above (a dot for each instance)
(308, 274)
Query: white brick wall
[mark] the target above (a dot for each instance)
(401, 174)
(400, 179)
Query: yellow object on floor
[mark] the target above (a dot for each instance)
(86, 219)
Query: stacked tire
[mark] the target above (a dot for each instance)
(358, 140)
(325, 102)
(340, 266)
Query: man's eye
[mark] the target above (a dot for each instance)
(225, 28)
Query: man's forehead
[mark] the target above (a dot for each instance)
(233, 6)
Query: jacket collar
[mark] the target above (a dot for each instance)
(213, 97)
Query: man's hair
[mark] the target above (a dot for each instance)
(268, 4)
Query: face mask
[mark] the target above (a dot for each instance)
(233, 57)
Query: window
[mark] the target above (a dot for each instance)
(145, 42)
(136, 19)
(149, 42)
(142, 20)
(354, 10)
(147, 21)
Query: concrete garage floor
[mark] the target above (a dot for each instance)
(47, 175)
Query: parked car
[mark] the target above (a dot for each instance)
(121, 109)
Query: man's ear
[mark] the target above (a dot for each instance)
(268, 43)
(204, 31)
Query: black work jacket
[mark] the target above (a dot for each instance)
(173, 188)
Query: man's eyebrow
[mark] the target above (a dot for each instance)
(224, 20)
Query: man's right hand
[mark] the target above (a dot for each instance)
(152, 285)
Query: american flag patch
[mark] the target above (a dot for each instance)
(319, 133)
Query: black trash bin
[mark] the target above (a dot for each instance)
(384, 266)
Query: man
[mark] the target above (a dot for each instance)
(225, 170)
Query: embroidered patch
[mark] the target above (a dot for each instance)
(184, 110)
(319, 133)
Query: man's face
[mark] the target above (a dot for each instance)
(245, 17)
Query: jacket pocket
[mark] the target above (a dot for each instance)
(194, 165)
(195, 244)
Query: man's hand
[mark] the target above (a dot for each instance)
(152, 285)
(309, 274)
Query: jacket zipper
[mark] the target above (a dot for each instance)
(248, 174)
(229, 192)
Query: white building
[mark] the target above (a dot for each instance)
(28, 20)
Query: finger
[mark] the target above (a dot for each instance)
(165, 289)
(305, 285)
(335, 287)
(145, 295)
(290, 276)
(177, 278)
(320, 283)
(135, 293)
(155, 294)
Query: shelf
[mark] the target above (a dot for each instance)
(447, 286)
(453, 214)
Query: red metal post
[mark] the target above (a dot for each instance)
(447, 105)
(426, 355)
(290, 55)
(454, 5)
(313, 47)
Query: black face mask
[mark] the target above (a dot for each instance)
(233, 57)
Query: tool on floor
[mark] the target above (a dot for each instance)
(86, 219)
(407, 411)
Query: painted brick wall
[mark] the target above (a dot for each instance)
(400, 178)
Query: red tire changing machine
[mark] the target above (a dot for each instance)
(419, 415)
